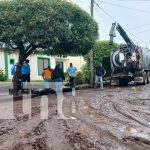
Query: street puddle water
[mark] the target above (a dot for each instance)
(128, 130)
(135, 133)
(99, 118)
(84, 130)
(109, 95)
(88, 132)
(73, 118)
(96, 116)
(23, 133)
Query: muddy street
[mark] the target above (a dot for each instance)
(117, 118)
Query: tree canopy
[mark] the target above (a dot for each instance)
(101, 50)
(51, 26)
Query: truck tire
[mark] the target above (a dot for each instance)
(123, 82)
(145, 77)
(148, 77)
(112, 81)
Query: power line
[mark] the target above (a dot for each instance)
(140, 26)
(136, 37)
(134, 33)
(88, 8)
(106, 17)
(143, 31)
(112, 18)
(133, 9)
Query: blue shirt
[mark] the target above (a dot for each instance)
(13, 69)
(71, 71)
(25, 68)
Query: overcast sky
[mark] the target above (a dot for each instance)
(133, 15)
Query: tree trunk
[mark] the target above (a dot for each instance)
(17, 75)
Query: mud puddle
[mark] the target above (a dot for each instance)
(112, 119)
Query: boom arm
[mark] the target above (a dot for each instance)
(116, 26)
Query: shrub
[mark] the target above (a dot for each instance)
(80, 78)
(2, 75)
(4, 78)
(86, 73)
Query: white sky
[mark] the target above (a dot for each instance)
(135, 22)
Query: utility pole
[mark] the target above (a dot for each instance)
(91, 52)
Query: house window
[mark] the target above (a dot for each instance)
(12, 61)
(61, 64)
(42, 63)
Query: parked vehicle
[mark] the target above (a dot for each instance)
(130, 62)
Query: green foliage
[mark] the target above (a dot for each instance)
(101, 54)
(79, 78)
(101, 50)
(106, 65)
(50, 26)
(86, 73)
(66, 77)
(2, 76)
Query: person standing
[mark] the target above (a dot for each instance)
(71, 72)
(25, 72)
(47, 76)
(13, 69)
(100, 72)
(58, 77)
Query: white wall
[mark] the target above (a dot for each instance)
(34, 65)
(2, 61)
(78, 62)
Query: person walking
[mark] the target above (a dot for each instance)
(100, 72)
(47, 76)
(71, 72)
(58, 77)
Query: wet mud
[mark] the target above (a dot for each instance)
(117, 118)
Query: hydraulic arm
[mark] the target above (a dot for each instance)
(116, 26)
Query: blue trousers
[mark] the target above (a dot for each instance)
(58, 84)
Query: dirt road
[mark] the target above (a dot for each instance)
(112, 119)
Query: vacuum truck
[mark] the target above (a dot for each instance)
(129, 62)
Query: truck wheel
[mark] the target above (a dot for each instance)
(123, 82)
(114, 82)
(145, 78)
(148, 77)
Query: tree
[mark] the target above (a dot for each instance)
(48, 26)
(101, 52)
